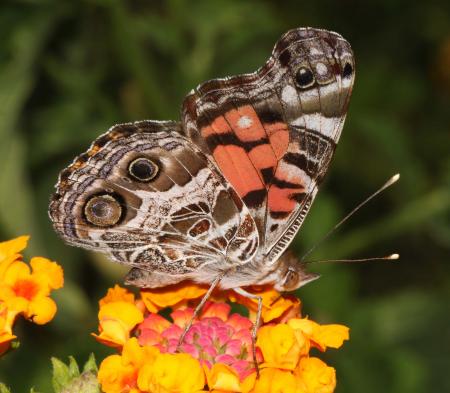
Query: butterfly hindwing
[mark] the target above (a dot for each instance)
(273, 133)
(149, 198)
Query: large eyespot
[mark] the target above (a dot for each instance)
(304, 77)
(143, 169)
(103, 210)
(347, 71)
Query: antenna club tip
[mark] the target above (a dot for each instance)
(393, 257)
(394, 178)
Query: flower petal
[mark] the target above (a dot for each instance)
(279, 346)
(16, 271)
(182, 317)
(6, 335)
(223, 377)
(137, 355)
(155, 322)
(47, 271)
(116, 320)
(159, 298)
(115, 377)
(41, 310)
(11, 247)
(216, 310)
(332, 336)
(274, 305)
(172, 373)
(273, 380)
(315, 376)
(117, 294)
(321, 336)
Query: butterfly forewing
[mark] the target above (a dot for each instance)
(273, 133)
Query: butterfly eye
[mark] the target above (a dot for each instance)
(142, 169)
(103, 210)
(347, 71)
(304, 77)
(291, 280)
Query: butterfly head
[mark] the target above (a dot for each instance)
(292, 274)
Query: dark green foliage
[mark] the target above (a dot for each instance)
(71, 69)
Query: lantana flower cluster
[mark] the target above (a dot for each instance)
(216, 353)
(25, 289)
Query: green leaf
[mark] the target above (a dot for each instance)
(90, 365)
(74, 371)
(61, 375)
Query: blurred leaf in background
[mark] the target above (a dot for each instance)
(71, 69)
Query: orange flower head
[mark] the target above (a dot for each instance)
(25, 289)
(217, 349)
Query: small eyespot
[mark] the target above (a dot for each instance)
(347, 71)
(143, 169)
(304, 77)
(103, 210)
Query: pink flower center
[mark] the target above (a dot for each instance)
(210, 340)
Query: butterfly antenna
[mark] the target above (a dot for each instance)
(389, 183)
(391, 257)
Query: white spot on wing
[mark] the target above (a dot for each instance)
(321, 69)
(289, 95)
(244, 122)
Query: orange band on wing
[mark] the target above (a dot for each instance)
(237, 168)
(262, 156)
(279, 199)
(218, 126)
(279, 138)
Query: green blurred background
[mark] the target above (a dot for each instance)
(71, 69)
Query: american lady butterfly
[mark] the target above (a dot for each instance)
(217, 197)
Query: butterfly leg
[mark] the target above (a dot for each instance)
(256, 324)
(198, 309)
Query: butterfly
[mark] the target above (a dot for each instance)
(218, 196)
